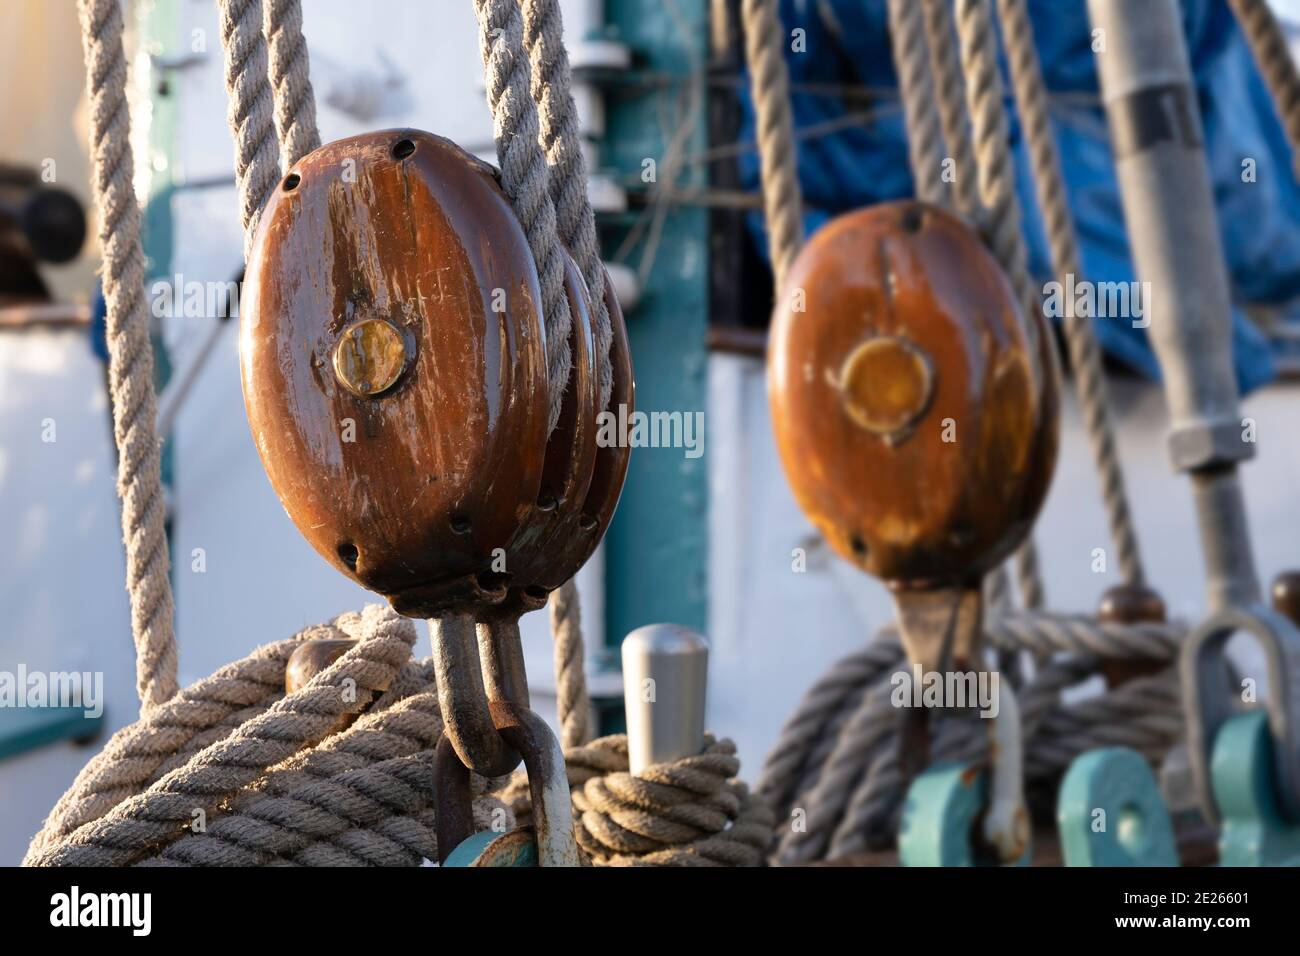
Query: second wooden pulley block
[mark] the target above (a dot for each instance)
(915, 409)
(393, 358)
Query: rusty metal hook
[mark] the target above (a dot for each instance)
(548, 786)
(462, 665)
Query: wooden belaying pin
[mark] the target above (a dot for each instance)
(1130, 604)
(1285, 595)
(665, 672)
(312, 657)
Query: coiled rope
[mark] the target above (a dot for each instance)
(234, 772)
(688, 812)
(835, 761)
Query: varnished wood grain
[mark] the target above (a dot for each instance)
(564, 537)
(446, 465)
(869, 460)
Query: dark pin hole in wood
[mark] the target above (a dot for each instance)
(492, 580)
(403, 148)
(349, 554)
(460, 523)
(587, 522)
(546, 502)
(858, 545)
(291, 182)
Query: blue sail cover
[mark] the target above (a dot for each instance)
(863, 160)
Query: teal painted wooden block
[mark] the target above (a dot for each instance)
(938, 815)
(488, 848)
(1110, 812)
(1254, 833)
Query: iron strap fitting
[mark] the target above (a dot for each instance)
(1210, 699)
(487, 729)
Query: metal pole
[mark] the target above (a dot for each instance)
(665, 667)
(1155, 129)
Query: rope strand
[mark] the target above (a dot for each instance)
(1080, 337)
(130, 363)
(524, 174)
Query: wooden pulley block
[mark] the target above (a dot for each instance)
(393, 362)
(914, 407)
(582, 477)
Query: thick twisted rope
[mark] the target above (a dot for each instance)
(161, 813)
(558, 120)
(836, 759)
(251, 109)
(769, 86)
(293, 101)
(363, 797)
(687, 812)
(139, 754)
(524, 174)
(1080, 337)
(572, 702)
(997, 187)
(950, 100)
(1054, 737)
(912, 64)
(1272, 55)
(130, 354)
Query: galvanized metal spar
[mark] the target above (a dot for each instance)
(1156, 137)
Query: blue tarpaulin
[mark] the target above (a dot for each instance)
(852, 153)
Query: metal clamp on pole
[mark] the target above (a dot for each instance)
(665, 673)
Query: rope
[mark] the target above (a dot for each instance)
(997, 187)
(572, 702)
(911, 62)
(294, 103)
(950, 99)
(160, 813)
(139, 754)
(251, 109)
(558, 120)
(363, 796)
(1269, 45)
(524, 175)
(1080, 337)
(836, 757)
(130, 365)
(769, 86)
(687, 812)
